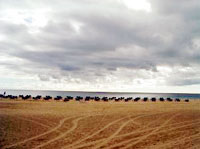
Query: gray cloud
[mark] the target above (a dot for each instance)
(93, 40)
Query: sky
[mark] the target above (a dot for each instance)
(100, 45)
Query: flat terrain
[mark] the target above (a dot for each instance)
(110, 125)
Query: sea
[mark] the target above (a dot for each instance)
(99, 94)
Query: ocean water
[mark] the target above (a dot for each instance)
(100, 94)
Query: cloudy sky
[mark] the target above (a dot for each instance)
(100, 45)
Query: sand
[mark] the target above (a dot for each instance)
(110, 125)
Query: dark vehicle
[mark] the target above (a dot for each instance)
(25, 97)
(186, 100)
(87, 98)
(145, 99)
(78, 98)
(162, 99)
(128, 99)
(47, 98)
(169, 99)
(37, 97)
(105, 98)
(66, 99)
(137, 99)
(153, 99)
(177, 100)
(58, 98)
(96, 98)
(70, 97)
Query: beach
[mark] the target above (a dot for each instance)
(93, 125)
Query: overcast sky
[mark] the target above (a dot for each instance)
(100, 45)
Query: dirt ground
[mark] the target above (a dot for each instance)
(94, 125)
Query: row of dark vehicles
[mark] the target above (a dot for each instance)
(88, 98)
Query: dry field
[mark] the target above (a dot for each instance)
(110, 125)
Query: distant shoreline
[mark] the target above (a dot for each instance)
(100, 94)
(114, 92)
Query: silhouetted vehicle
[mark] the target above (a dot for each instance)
(162, 99)
(70, 97)
(112, 98)
(105, 98)
(153, 99)
(97, 98)
(66, 99)
(186, 100)
(47, 98)
(137, 99)
(87, 98)
(78, 98)
(9, 97)
(145, 99)
(169, 99)
(13, 97)
(177, 100)
(122, 98)
(117, 99)
(25, 97)
(91, 98)
(37, 97)
(128, 99)
(58, 98)
(20, 96)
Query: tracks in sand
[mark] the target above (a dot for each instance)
(149, 129)
(42, 134)
(75, 124)
(124, 144)
(176, 141)
(149, 134)
(116, 132)
(114, 135)
(90, 136)
(36, 122)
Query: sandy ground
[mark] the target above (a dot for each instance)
(110, 125)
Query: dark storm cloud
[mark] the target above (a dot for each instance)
(107, 38)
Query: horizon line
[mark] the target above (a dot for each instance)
(99, 91)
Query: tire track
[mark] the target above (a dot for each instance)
(51, 123)
(123, 142)
(168, 129)
(116, 132)
(100, 140)
(42, 134)
(79, 141)
(137, 131)
(94, 142)
(38, 123)
(109, 107)
(143, 130)
(136, 138)
(151, 133)
(173, 142)
(88, 144)
(75, 124)
(99, 114)
(103, 116)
